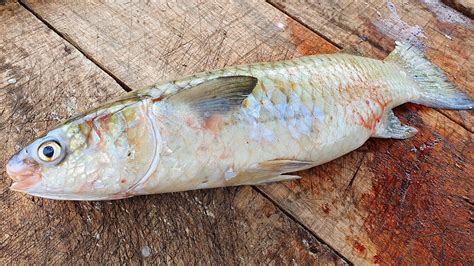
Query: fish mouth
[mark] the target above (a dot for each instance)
(24, 182)
(24, 171)
(24, 179)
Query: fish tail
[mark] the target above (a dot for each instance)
(434, 88)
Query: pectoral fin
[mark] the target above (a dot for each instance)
(216, 96)
(391, 127)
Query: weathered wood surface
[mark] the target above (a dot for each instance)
(44, 79)
(372, 26)
(414, 202)
(142, 43)
(388, 202)
(466, 7)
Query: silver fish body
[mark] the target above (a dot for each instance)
(248, 124)
(314, 117)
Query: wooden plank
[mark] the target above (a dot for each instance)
(142, 43)
(407, 201)
(465, 7)
(44, 79)
(373, 25)
(323, 201)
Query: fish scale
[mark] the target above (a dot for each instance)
(276, 136)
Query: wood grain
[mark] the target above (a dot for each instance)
(372, 26)
(466, 7)
(388, 202)
(146, 42)
(44, 79)
(405, 201)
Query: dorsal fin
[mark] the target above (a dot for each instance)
(217, 95)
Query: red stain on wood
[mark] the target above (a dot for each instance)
(325, 209)
(305, 41)
(359, 247)
(410, 212)
(384, 43)
(377, 259)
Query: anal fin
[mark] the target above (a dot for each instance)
(391, 127)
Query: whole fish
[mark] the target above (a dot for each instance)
(243, 125)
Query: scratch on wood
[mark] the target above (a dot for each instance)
(447, 14)
(359, 165)
(394, 27)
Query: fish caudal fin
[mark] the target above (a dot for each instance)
(435, 90)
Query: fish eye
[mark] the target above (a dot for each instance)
(49, 151)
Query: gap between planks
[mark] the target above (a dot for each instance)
(464, 8)
(295, 219)
(128, 89)
(340, 48)
(73, 43)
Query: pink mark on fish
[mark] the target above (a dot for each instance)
(213, 124)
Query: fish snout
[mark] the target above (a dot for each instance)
(21, 166)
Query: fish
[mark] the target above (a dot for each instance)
(242, 125)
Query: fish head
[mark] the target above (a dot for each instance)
(100, 155)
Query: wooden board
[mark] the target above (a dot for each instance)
(465, 7)
(414, 202)
(44, 79)
(372, 26)
(145, 42)
(366, 204)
